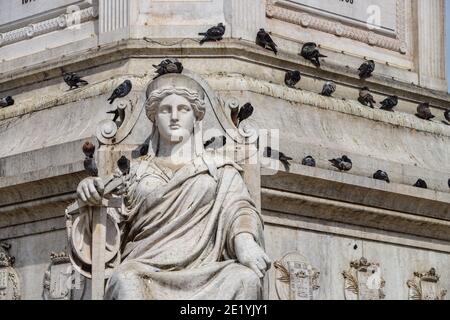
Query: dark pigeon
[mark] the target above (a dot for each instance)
(263, 39)
(421, 184)
(124, 165)
(168, 66)
(280, 156)
(213, 34)
(328, 88)
(74, 81)
(309, 161)
(389, 103)
(88, 149)
(215, 142)
(121, 91)
(245, 112)
(343, 164)
(6, 102)
(381, 175)
(424, 111)
(292, 78)
(89, 162)
(448, 183)
(311, 52)
(366, 69)
(366, 98)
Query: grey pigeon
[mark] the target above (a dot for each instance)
(74, 81)
(245, 112)
(309, 161)
(291, 78)
(280, 156)
(424, 111)
(328, 88)
(421, 184)
(89, 161)
(88, 149)
(311, 52)
(366, 98)
(343, 164)
(6, 102)
(124, 165)
(389, 103)
(213, 34)
(381, 175)
(168, 66)
(366, 69)
(447, 115)
(215, 142)
(263, 39)
(121, 91)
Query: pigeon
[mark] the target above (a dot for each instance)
(121, 91)
(366, 98)
(88, 149)
(366, 69)
(421, 184)
(74, 81)
(245, 112)
(89, 161)
(328, 88)
(311, 52)
(168, 66)
(447, 115)
(448, 183)
(222, 140)
(381, 175)
(213, 34)
(124, 165)
(292, 78)
(263, 39)
(424, 111)
(309, 161)
(6, 102)
(389, 103)
(343, 164)
(280, 156)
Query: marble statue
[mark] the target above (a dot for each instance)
(188, 227)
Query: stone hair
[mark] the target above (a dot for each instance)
(155, 98)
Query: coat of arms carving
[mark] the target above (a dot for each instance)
(296, 279)
(363, 281)
(424, 286)
(9, 278)
(61, 281)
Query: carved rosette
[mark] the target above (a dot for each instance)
(61, 281)
(295, 278)
(363, 281)
(9, 278)
(424, 286)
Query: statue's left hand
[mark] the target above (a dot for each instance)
(250, 254)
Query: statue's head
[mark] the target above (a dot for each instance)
(175, 104)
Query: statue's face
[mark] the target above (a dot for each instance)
(175, 119)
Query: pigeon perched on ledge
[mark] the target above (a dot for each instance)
(366, 69)
(89, 162)
(311, 52)
(124, 165)
(168, 66)
(389, 103)
(381, 175)
(245, 112)
(309, 161)
(343, 164)
(6, 102)
(263, 39)
(215, 142)
(280, 156)
(213, 34)
(366, 98)
(292, 77)
(421, 184)
(121, 91)
(74, 81)
(328, 89)
(424, 111)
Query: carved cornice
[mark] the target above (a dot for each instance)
(277, 11)
(47, 26)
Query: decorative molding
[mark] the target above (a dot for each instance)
(9, 278)
(275, 10)
(363, 281)
(47, 26)
(424, 286)
(295, 278)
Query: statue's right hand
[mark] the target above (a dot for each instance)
(90, 191)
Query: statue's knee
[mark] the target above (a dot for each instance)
(124, 274)
(250, 278)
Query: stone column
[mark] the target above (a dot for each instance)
(431, 44)
(246, 17)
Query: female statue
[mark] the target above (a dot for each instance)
(189, 229)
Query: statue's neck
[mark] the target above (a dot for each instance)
(176, 153)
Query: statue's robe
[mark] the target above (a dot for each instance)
(178, 231)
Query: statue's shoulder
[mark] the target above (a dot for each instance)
(221, 161)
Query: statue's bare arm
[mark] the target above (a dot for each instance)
(250, 254)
